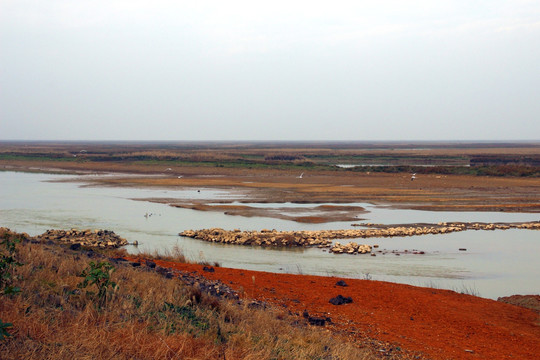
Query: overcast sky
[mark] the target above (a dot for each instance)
(279, 70)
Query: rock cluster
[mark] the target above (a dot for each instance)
(260, 238)
(351, 248)
(89, 238)
(212, 287)
(323, 238)
(316, 320)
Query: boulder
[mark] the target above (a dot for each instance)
(340, 300)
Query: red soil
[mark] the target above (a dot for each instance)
(440, 324)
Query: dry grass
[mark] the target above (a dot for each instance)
(148, 317)
(176, 253)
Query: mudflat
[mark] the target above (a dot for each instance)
(451, 176)
(310, 172)
(426, 192)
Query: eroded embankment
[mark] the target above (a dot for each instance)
(323, 238)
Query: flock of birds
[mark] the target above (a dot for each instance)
(301, 176)
(413, 176)
(147, 215)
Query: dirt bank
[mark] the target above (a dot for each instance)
(439, 323)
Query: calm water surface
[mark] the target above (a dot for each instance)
(496, 263)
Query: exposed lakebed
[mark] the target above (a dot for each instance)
(496, 263)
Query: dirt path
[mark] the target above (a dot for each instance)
(438, 323)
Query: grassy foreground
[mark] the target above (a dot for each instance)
(57, 303)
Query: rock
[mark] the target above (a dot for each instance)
(209, 269)
(92, 238)
(314, 320)
(340, 300)
(164, 271)
(341, 283)
(317, 321)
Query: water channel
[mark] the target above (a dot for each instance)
(496, 263)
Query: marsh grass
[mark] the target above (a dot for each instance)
(149, 317)
(467, 289)
(462, 289)
(176, 253)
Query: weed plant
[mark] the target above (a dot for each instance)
(99, 274)
(8, 262)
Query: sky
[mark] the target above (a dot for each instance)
(261, 70)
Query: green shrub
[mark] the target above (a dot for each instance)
(8, 250)
(99, 274)
(3, 330)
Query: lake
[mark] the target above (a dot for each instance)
(496, 263)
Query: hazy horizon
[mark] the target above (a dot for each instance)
(292, 71)
(434, 143)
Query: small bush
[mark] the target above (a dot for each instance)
(4, 330)
(99, 274)
(8, 250)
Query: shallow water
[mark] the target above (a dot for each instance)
(496, 263)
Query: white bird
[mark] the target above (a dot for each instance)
(413, 176)
(180, 176)
(301, 175)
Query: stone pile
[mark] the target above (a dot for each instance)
(260, 238)
(323, 238)
(350, 248)
(90, 238)
(530, 226)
